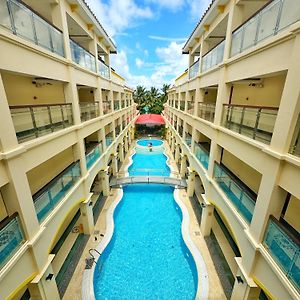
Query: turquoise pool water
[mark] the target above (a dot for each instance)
(147, 257)
(147, 142)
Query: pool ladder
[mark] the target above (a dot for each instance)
(91, 254)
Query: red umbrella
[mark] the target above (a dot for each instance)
(150, 119)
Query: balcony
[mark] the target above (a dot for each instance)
(109, 139)
(188, 139)
(180, 131)
(11, 237)
(235, 191)
(33, 121)
(118, 130)
(116, 105)
(89, 110)
(202, 155)
(92, 156)
(254, 122)
(103, 69)
(274, 17)
(284, 249)
(295, 146)
(182, 105)
(106, 107)
(213, 57)
(194, 69)
(206, 111)
(176, 103)
(190, 107)
(50, 195)
(82, 57)
(23, 22)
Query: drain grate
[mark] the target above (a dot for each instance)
(197, 233)
(88, 263)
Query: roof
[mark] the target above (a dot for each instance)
(201, 19)
(98, 22)
(153, 119)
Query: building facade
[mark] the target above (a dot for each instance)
(233, 126)
(66, 124)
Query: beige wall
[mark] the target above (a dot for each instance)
(292, 213)
(243, 171)
(268, 95)
(86, 95)
(3, 213)
(21, 91)
(210, 96)
(42, 174)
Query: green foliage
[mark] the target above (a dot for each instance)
(150, 101)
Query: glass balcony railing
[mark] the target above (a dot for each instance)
(11, 238)
(182, 105)
(284, 249)
(23, 22)
(213, 58)
(107, 107)
(206, 111)
(116, 105)
(235, 192)
(92, 156)
(202, 155)
(295, 145)
(180, 131)
(89, 110)
(176, 103)
(188, 139)
(103, 69)
(109, 139)
(190, 107)
(267, 22)
(118, 130)
(47, 199)
(82, 57)
(194, 69)
(254, 122)
(33, 121)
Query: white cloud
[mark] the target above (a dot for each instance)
(171, 63)
(139, 63)
(118, 15)
(164, 38)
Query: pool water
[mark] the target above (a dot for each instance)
(147, 257)
(147, 142)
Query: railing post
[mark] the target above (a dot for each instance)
(33, 122)
(256, 123)
(242, 119)
(50, 118)
(12, 22)
(62, 116)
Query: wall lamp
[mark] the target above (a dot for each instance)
(49, 276)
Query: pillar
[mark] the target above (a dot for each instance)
(121, 152)
(173, 145)
(126, 143)
(177, 154)
(183, 165)
(104, 178)
(191, 182)
(115, 164)
(207, 218)
(87, 219)
(43, 286)
(244, 287)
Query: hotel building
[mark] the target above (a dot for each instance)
(233, 127)
(66, 124)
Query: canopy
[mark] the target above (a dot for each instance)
(150, 119)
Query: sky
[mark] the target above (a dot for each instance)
(149, 35)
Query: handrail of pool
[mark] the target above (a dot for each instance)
(92, 256)
(166, 180)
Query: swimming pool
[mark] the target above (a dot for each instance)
(147, 257)
(148, 141)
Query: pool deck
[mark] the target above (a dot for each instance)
(74, 289)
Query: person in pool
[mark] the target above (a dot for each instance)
(150, 147)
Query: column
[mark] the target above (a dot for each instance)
(43, 286)
(191, 182)
(214, 155)
(115, 164)
(121, 152)
(183, 165)
(177, 154)
(104, 178)
(98, 96)
(87, 218)
(244, 287)
(207, 217)
(173, 144)
(126, 143)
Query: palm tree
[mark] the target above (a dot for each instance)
(139, 94)
(165, 92)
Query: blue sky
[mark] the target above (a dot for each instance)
(149, 35)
